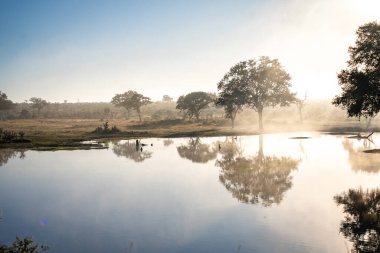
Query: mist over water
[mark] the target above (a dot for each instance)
(227, 194)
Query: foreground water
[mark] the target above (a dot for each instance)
(247, 194)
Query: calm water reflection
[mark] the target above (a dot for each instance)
(130, 150)
(6, 154)
(225, 194)
(196, 151)
(257, 178)
(361, 224)
(359, 160)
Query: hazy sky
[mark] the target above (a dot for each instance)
(91, 50)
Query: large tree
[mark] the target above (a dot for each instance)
(258, 83)
(38, 103)
(192, 103)
(131, 100)
(300, 103)
(360, 81)
(232, 96)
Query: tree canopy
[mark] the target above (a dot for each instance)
(38, 103)
(360, 81)
(192, 103)
(167, 99)
(131, 100)
(257, 83)
(232, 96)
(5, 103)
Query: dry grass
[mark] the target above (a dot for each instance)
(52, 131)
(64, 130)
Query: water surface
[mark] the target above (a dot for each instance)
(244, 194)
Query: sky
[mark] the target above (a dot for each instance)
(90, 50)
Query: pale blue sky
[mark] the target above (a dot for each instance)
(91, 50)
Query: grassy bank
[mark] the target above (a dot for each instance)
(64, 133)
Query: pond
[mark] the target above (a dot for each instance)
(269, 193)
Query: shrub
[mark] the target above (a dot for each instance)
(25, 245)
(105, 129)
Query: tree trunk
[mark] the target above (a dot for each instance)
(368, 123)
(233, 117)
(260, 154)
(260, 112)
(300, 113)
(139, 114)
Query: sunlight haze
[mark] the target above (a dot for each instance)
(90, 50)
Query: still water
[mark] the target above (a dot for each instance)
(272, 193)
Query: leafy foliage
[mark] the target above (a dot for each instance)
(131, 100)
(7, 136)
(257, 84)
(192, 103)
(360, 82)
(232, 96)
(105, 129)
(25, 245)
(167, 99)
(5, 103)
(38, 103)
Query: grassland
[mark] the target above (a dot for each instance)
(64, 133)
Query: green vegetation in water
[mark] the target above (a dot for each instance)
(23, 245)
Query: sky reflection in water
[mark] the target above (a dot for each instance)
(225, 194)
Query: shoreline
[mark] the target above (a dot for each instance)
(58, 134)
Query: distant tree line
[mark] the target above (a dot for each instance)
(315, 111)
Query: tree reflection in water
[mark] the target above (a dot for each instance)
(129, 150)
(256, 179)
(361, 161)
(168, 142)
(361, 224)
(197, 152)
(6, 154)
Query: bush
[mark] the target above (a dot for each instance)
(8, 135)
(25, 245)
(12, 136)
(105, 129)
(25, 114)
